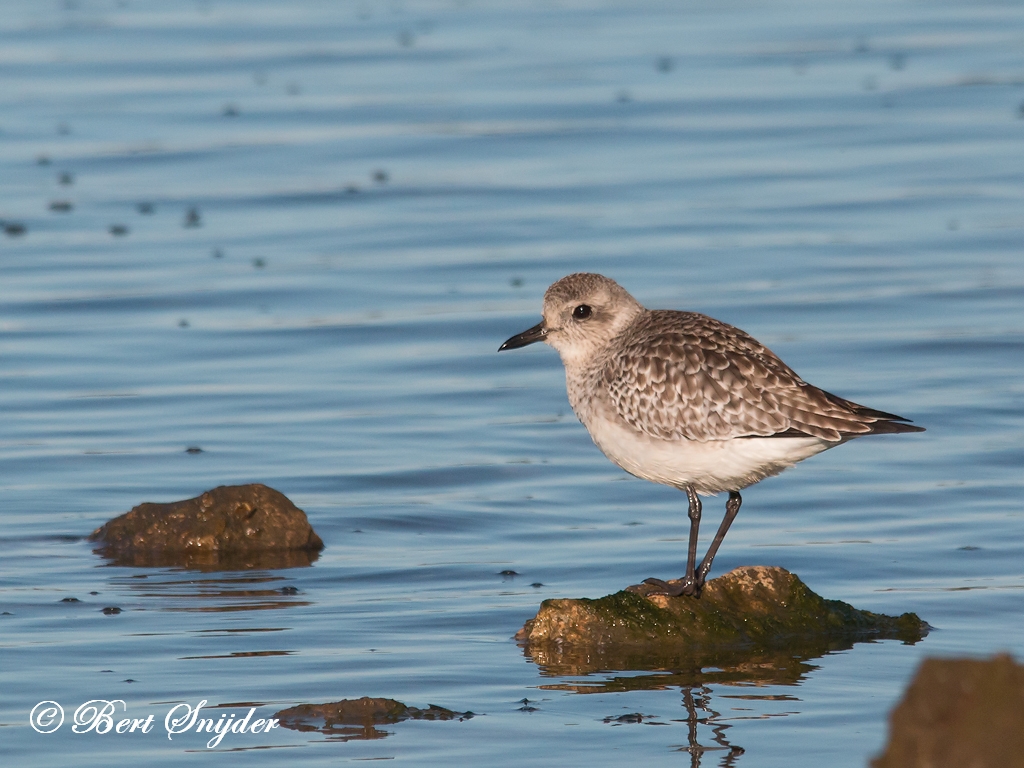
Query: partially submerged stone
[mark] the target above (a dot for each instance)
(959, 712)
(355, 718)
(751, 610)
(231, 527)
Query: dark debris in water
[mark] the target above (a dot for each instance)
(632, 717)
(356, 719)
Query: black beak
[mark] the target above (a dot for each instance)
(529, 336)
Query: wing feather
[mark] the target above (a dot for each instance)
(683, 375)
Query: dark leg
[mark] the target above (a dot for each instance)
(687, 585)
(732, 508)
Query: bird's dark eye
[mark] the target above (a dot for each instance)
(582, 312)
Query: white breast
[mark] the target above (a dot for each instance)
(710, 467)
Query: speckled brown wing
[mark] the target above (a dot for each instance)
(686, 375)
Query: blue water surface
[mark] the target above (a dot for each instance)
(293, 235)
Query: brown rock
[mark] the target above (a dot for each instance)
(355, 718)
(227, 528)
(753, 606)
(959, 713)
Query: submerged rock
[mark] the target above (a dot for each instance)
(228, 528)
(355, 718)
(755, 607)
(959, 712)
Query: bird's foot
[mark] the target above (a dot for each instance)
(674, 588)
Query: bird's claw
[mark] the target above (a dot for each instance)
(677, 589)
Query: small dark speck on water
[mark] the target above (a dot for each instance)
(259, 262)
(71, 600)
(42, 160)
(107, 670)
(507, 573)
(111, 610)
(230, 110)
(145, 208)
(63, 129)
(61, 206)
(516, 282)
(183, 323)
(14, 228)
(118, 230)
(664, 64)
(192, 218)
(351, 189)
(193, 449)
(94, 593)
(66, 179)
(128, 680)
(537, 585)
(289, 590)
(217, 253)
(968, 548)
(381, 176)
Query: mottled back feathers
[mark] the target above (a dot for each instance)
(682, 375)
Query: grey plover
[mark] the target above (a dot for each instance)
(685, 400)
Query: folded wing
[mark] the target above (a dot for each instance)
(702, 379)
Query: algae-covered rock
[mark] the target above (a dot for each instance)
(229, 527)
(751, 607)
(959, 712)
(355, 718)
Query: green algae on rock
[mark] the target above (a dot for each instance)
(749, 607)
(231, 527)
(959, 712)
(350, 719)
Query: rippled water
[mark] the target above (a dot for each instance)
(294, 234)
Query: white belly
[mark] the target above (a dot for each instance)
(711, 466)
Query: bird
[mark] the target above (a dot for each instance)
(685, 400)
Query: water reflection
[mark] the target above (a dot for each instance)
(192, 592)
(208, 561)
(693, 671)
